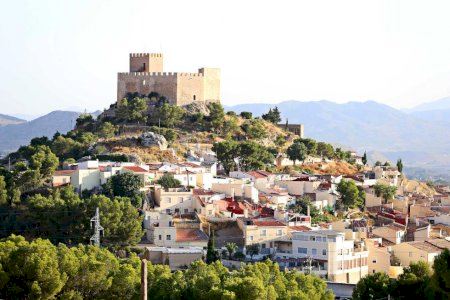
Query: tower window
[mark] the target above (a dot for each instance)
(194, 97)
(143, 68)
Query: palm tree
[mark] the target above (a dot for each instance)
(231, 248)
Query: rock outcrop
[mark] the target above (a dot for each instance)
(151, 139)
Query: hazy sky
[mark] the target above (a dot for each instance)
(66, 54)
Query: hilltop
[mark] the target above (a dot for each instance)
(7, 120)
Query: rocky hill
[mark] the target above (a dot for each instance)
(8, 120)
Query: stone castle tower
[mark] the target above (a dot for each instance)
(146, 75)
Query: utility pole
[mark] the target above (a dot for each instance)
(144, 279)
(98, 229)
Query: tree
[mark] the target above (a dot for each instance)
(373, 286)
(301, 206)
(169, 115)
(254, 129)
(325, 150)
(168, 181)
(44, 161)
(440, 280)
(120, 219)
(211, 253)
(364, 158)
(231, 248)
(400, 165)
(349, 194)
(413, 282)
(311, 145)
(125, 185)
(246, 115)
(137, 110)
(122, 109)
(226, 153)
(272, 116)
(3, 192)
(253, 156)
(252, 250)
(297, 151)
(106, 130)
(385, 191)
(216, 115)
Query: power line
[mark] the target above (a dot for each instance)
(98, 229)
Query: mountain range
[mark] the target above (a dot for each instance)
(420, 136)
(14, 135)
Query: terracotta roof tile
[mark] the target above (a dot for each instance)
(135, 169)
(190, 235)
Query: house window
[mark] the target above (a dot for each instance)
(374, 261)
(324, 252)
(180, 199)
(302, 250)
(250, 238)
(186, 210)
(312, 238)
(263, 232)
(169, 200)
(168, 237)
(332, 239)
(314, 251)
(263, 246)
(177, 210)
(168, 211)
(159, 237)
(279, 232)
(193, 97)
(143, 67)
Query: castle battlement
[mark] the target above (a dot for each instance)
(180, 88)
(146, 55)
(149, 74)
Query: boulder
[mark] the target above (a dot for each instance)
(151, 139)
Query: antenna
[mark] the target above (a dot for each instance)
(98, 229)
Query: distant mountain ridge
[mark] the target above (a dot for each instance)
(443, 103)
(15, 135)
(419, 140)
(7, 120)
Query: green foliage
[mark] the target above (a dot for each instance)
(132, 110)
(85, 121)
(62, 216)
(301, 206)
(169, 115)
(125, 185)
(273, 116)
(40, 270)
(297, 151)
(364, 158)
(3, 192)
(216, 116)
(253, 156)
(252, 250)
(400, 165)
(440, 281)
(385, 191)
(246, 115)
(226, 152)
(168, 181)
(211, 253)
(106, 130)
(311, 145)
(254, 129)
(230, 127)
(373, 286)
(231, 249)
(350, 195)
(325, 150)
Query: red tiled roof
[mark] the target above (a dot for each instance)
(202, 192)
(190, 235)
(63, 172)
(135, 169)
(267, 223)
(256, 174)
(299, 228)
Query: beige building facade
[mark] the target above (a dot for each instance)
(146, 75)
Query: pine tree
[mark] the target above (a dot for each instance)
(364, 158)
(400, 165)
(211, 255)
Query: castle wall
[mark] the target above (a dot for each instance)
(189, 88)
(211, 85)
(144, 83)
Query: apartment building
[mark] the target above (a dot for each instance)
(333, 256)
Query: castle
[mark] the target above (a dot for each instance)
(146, 75)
